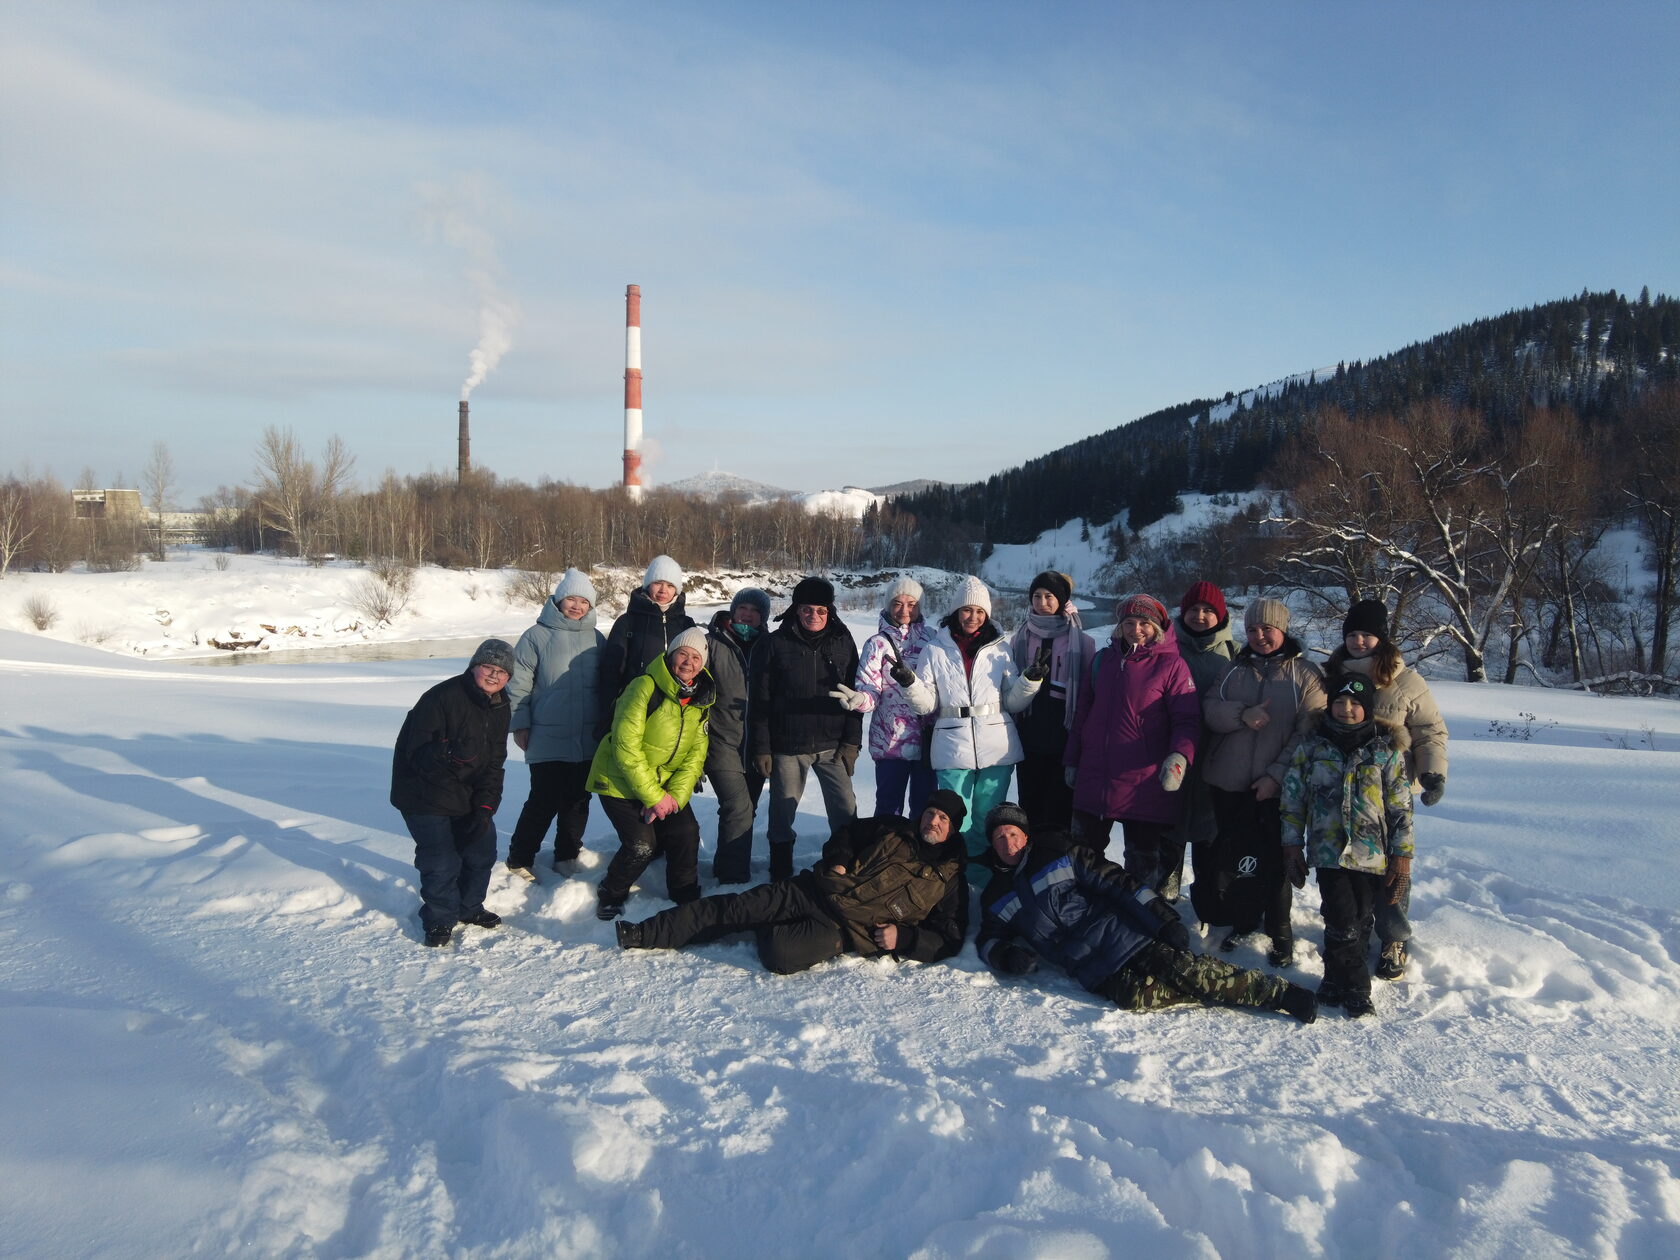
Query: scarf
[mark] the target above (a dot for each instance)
(1066, 635)
(1348, 738)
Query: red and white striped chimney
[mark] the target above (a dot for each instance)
(633, 391)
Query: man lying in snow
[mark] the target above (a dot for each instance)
(1049, 898)
(883, 886)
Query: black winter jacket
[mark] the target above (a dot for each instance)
(644, 632)
(1070, 906)
(791, 711)
(728, 663)
(887, 866)
(449, 754)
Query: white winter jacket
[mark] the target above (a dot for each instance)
(972, 729)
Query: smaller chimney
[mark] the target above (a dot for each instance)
(463, 447)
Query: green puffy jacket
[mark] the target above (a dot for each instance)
(654, 747)
(1352, 809)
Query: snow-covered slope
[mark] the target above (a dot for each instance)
(220, 1032)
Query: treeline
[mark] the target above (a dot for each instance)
(1593, 354)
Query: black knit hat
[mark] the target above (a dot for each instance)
(1355, 687)
(1058, 584)
(1007, 814)
(951, 805)
(816, 591)
(1368, 616)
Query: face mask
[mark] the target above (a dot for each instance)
(744, 632)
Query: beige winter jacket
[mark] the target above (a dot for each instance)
(1294, 687)
(1408, 702)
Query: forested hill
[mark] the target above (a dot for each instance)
(1593, 353)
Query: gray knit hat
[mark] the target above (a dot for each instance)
(494, 652)
(694, 637)
(1006, 814)
(574, 582)
(1266, 612)
(755, 598)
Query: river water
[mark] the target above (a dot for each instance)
(350, 653)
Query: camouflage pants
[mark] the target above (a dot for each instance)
(1159, 975)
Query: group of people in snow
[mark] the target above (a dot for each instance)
(1250, 758)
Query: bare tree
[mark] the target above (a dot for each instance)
(295, 493)
(157, 483)
(15, 529)
(1653, 486)
(1427, 500)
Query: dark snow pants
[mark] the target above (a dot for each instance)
(1147, 853)
(557, 796)
(677, 837)
(454, 857)
(1250, 890)
(1159, 975)
(737, 789)
(1041, 780)
(1349, 901)
(794, 931)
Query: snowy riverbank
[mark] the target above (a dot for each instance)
(221, 1032)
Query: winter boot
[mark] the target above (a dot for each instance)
(439, 936)
(1233, 938)
(1391, 963)
(1282, 952)
(607, 911)
(482, 918)
(781, 861)
(1356, 1005)
(1300, 1002)
(1330, 994)
(629, 934)
(522, 872)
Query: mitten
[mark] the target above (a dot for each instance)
(1070, 774)
(1174, 934)
(1398, 880)
(1256, 715)
(1172, 772)
(1295, 864)
(902, 674)
(1014, 959)
(1434, 787)
(1039, 670)
(851, 701)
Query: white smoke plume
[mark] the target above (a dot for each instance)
(454, 214)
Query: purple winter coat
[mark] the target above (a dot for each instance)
(1134, 709)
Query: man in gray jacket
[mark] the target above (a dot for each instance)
(557, 707)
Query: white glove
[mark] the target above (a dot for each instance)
(1172, 772)
(851, 701)
(1069, 774)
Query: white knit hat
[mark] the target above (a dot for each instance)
(663, 569)
(973, 592)
(906, 585)
(694, 637)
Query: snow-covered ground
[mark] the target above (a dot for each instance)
(221, 1033)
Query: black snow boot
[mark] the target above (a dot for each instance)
(1282, 952)
(482, 918)
(781, 861)
(1300, 1002)
(439, 936)
(629, 934)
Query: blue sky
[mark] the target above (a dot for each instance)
(875, 241)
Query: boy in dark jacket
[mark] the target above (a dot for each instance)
(884, 886)
(446, 778)
(1049, 898)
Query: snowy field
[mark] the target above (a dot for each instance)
(221, 1033)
